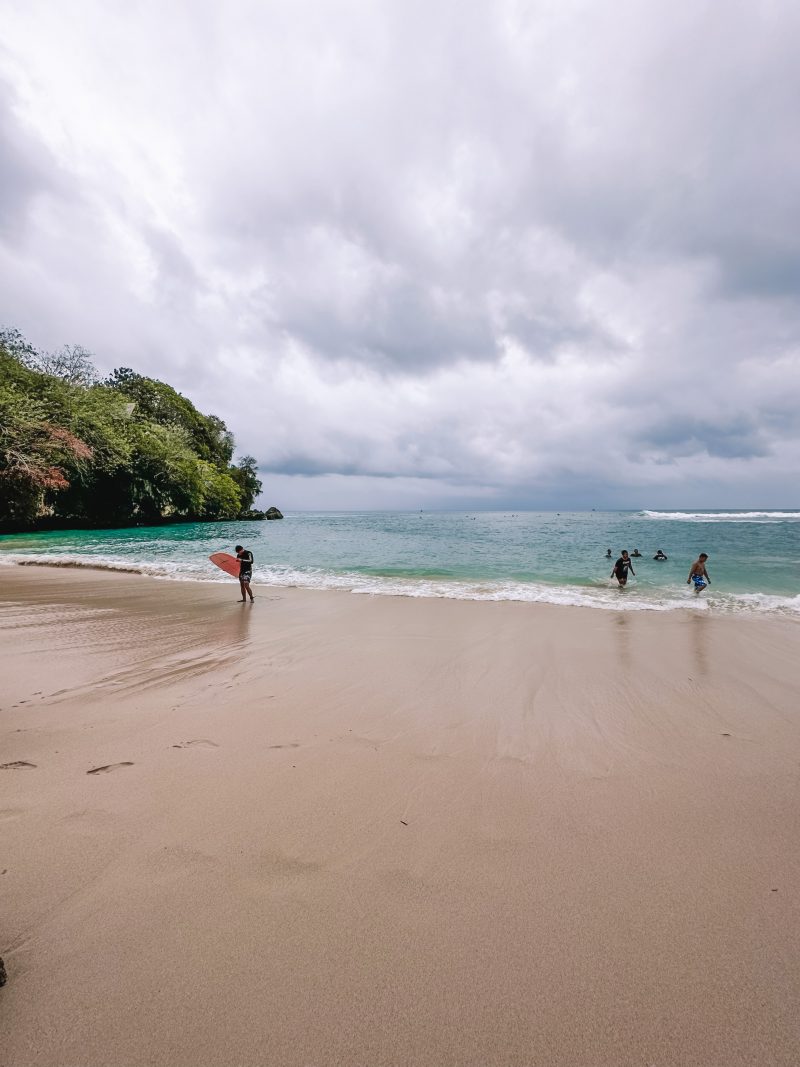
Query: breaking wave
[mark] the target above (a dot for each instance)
(724, 516)
(603, 595)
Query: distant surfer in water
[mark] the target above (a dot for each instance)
(621, 568)
(245, 557)
(698, 573)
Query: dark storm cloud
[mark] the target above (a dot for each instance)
(739, 438)
(310, 466)
(405, 326)
(760, 271)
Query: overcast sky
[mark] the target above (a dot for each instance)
(420, 254)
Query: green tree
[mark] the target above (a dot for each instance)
(130, 449)
(14, 344)
(37, 454)
(221, 495)
(161, 403)
(245, 474)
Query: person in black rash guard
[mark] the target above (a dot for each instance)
(245, 557)
(621, 568)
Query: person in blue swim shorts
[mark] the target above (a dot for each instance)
(698, 573)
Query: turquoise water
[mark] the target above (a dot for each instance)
(754, 557)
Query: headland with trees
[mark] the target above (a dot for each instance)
(78, 450)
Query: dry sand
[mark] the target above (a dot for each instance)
(335, 829)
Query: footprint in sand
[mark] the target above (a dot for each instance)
(276, 864)
(109, 767)
(17, 765)
(203, 741)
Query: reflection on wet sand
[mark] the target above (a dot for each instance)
(698, 642)
(234, 629)
(622, 634)
(122, 635)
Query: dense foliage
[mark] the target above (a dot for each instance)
(75, 450)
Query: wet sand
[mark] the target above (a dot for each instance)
(337, 829)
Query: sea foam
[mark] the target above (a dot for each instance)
(605, 596)
(724, 516)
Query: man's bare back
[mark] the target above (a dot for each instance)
(698, 573)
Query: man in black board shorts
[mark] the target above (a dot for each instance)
(245, 557)
(621, 568)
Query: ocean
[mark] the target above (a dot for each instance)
(548, 557)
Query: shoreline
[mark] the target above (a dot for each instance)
(392, 830)
(604, 597)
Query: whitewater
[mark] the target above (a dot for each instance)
(537, 557)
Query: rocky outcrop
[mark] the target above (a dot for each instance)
(273, 513)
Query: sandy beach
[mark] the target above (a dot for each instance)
(339, 829)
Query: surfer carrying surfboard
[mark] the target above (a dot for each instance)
(245, 557)
(698, 573)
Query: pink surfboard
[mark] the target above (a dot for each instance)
(226, 562)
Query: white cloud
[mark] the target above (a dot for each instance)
(539, 253)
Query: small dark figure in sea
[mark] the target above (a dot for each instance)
(698, 573)
(245, 557)
(608, 553)
(636, 553)
(659, 555)
(621, 568)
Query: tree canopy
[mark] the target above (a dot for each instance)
(130, 449)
